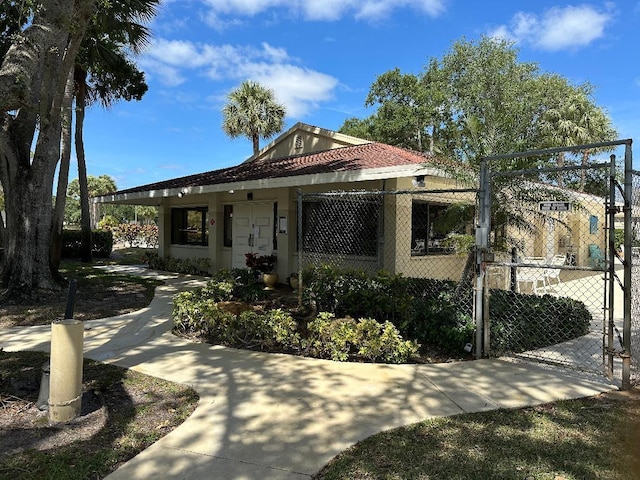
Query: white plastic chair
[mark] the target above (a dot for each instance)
(554, 273)
(537, 277)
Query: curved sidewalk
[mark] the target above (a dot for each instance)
(267, 416)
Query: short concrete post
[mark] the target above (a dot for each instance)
(65, 387)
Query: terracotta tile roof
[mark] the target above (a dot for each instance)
(357, 157)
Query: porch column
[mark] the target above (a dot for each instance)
(164, 229)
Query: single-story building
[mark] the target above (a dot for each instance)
(252, 207)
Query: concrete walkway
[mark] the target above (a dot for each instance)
(266, 416)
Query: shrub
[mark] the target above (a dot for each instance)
(149, 236)
(135, 235)
(218, 291)
(191, 314)
(383, 342)
(526, 322)
(189, 266)
(108, 222)
(102, 243)
(194, 314)
(440, 320)
(128, 233)
(354, 293)
(347, 339)
(273, 330)
(329, 338)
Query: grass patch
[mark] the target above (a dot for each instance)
(132, 411)
(592, 438)
(99, 294)
(127, 256)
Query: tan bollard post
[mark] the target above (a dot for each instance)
(65, 381)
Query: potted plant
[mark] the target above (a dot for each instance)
(264, 265)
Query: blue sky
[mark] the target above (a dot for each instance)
(321, 56)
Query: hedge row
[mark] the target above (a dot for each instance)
(102, 243)
(433, 313)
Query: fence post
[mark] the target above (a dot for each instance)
(626, 328)
(609, 294)
(482, 245)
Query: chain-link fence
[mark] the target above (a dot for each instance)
(421, 240)
(548, 297)
(551, 262)
(635, 279)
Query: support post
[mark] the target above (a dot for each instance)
(65, 378)
(482, 245)
(626, 327)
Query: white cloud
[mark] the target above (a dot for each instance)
(167, 74)
(558, 28)
(300, 89)
(321, 10)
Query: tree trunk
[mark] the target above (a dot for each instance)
(63, 176)
(85, 215)
(583, 172)
(33, 76)
(560, 162)
(256, 143)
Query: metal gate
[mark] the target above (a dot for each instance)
(552, 264)
(635, 279)
(550, 273)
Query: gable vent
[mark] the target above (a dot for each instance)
(298, 143)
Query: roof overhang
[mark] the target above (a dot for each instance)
(155, 197)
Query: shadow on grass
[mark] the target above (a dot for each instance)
(117, 422)
(591, 438)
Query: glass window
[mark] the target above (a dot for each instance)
(427, 221)
(189, 226)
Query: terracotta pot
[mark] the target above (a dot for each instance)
(270, 280)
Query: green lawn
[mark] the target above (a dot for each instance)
(592, 438)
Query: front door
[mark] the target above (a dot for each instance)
(252, 231)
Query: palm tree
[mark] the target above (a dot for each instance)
(253, 112)
(576, 120)
(104, 73)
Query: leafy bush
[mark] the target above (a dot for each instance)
(426, 311)
(102, 243)
(189, 266)
(329, 338)
(354, 293)
(525, 322)
(191, 314)
(347, 339)
(135, 235)
(422, 309)
(108, 222)
(442, 321)
(273, 331)
(194, 314)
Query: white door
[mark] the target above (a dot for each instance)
(252, 231)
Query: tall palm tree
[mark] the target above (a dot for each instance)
(253, 112)
(104, 73)
(576, 120)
